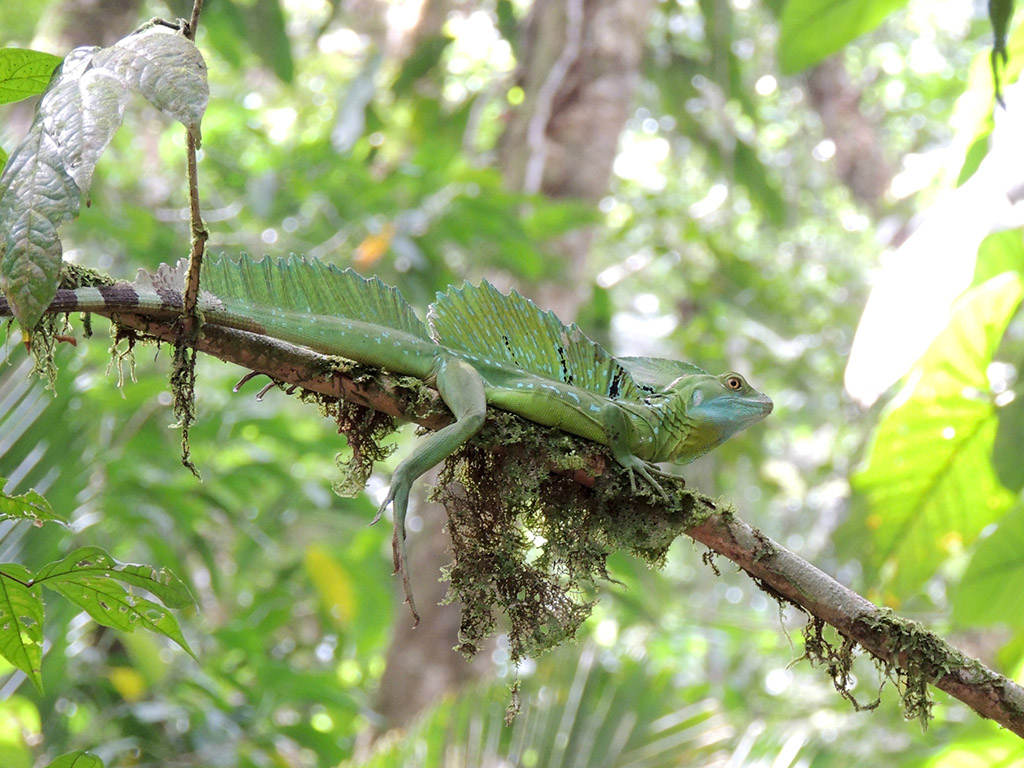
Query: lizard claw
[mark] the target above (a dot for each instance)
(380, 511)
(245, 380)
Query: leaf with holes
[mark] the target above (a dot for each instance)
(21, 621)
(929, 486)
(89, 578)
(27, 506)
(161, 582)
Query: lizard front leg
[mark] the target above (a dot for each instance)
(462, 390)
(618, 430)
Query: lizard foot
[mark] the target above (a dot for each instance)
(648, 472)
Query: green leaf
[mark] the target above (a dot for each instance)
(989, 591)
(88, 577)
(77, 759)
(21, 621)
(1006, 447)
(589, 714)
(972, 117)
(508, 24)
(80, 113)
(998, 253)
(24, 73)
(929, 486)
(269, 38)
(813, 29)
(222, 22)
(161, 582)
(27, 506)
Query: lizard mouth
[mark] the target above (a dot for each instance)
(758, 406)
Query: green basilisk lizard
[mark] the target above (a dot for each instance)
(481, 348)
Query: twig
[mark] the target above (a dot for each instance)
(183, 375)
(198, 229)
(193, 22)
(199, 237)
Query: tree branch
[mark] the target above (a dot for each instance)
(296, 366)
(900, 645)
(897, 642)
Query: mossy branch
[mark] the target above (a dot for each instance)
(902, 646)
(906, 651)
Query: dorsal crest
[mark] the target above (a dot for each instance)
(310, 286)
(657, 373)
(512, 330)
(292, 284)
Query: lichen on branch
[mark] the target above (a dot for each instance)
(530, 541)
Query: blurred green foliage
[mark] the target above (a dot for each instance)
(929, 486)
(810, 30)
(726, 240)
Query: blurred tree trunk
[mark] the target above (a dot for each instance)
(72, 23)
(860, 158)
(421, 665)
(400, 33)
(88, 22)
(579, 68)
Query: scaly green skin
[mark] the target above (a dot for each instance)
(664, 411)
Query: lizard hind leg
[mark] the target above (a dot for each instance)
(462, 390)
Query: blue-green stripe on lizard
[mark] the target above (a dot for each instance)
(482, 348)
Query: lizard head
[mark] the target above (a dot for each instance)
(707, 410)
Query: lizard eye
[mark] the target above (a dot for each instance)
(734, 383)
